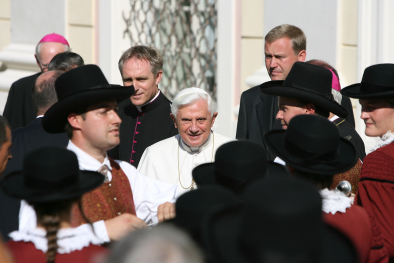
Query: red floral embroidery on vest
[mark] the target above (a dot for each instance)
(107, 201)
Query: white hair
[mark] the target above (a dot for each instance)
(66, 48)
(337, 96)
(162, 244)
(188, 96)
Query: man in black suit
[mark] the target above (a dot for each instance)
(19, 108)
(146, 116)
(27, 139)
(284, 45)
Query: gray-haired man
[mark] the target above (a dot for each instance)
(146, 116)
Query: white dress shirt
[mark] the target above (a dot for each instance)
(160, 160)
(148, 193)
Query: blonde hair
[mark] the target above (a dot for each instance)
(297, 37)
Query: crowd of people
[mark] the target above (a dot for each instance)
(96, 172)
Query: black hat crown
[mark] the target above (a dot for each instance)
(310, 77)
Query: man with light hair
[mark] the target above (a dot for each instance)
(172, 160)
(146, 115)
(19, 108)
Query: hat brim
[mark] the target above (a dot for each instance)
(275, 88)
(346, 156)
(14, 186)
(55, 118)
(354, 91)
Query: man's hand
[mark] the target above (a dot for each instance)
(120, 226)
(166, 211)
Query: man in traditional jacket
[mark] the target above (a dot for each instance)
(308, 90)
(172, 160)
(146, 115)
(19, 108)
(284, 45)
(313, 150)
(127, 200)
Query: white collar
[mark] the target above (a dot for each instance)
(333, 118)
(386, 139)
(140, 106)
(199, 149)
(39, 116)
(69, 239)
(334, 201)
(88, 162)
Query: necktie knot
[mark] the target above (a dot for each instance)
(104, 171)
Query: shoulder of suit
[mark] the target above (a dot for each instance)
(252, 91)
(24, 80)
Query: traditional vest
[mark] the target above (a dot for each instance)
(352, 176)
(109, 200)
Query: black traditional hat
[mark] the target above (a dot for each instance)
(78, 89)
(237, 163)
(312, 144)
(309, 83)
(377, 82)
(50, 174)
(281, 221)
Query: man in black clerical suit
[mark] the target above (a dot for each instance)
(146, 116)
(19, 108)
(27, 139)
(284, 45)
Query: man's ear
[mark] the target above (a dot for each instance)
(310, 109)
(214, 118)
(174, 120)
(38, 62)
(158, 77)
(75, 120)
(302, 56)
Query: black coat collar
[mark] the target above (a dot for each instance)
(131, 110)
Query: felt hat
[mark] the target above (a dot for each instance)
(312, 144)
(377, 82)
(309, 83)
(50, 174)
(237, 164)
(280, 221)
(78, 89)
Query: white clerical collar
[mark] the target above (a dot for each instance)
(140, 106)
(39, 116)
(333, 118)
(69, 239)
(199, 149)
(87, 162)
(334, 201)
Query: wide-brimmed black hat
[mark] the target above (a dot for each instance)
(377, 82)
(78, 89)
(308, 83)
(312, 144)
(280, 221)
(237, 163)
(50, 174)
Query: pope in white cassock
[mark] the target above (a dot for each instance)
(172, 160)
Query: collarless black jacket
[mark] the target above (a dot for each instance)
(19, 109)
(140, 130)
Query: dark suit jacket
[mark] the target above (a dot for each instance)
(24, 140)
(140, 130)
(348, 132)
(19, 109)
(257, 115)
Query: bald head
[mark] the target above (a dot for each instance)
(46, 51)
(44, 93)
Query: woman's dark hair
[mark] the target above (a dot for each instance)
(49, 216)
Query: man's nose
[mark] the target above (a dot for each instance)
(194, 126)
(273, 62)
(279, 115)
(364, 115)
(116, 118)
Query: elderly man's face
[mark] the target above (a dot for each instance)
(280, 57)
(47, 51)
(138, 73)
(194, 122)
(5, 151)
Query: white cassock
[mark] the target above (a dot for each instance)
(160, 160)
